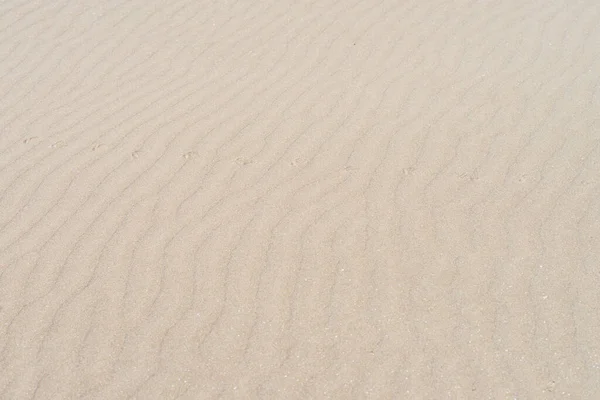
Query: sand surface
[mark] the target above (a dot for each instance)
(389, 199)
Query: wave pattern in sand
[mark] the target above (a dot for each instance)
(291, 200)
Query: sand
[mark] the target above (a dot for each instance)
(332, 199)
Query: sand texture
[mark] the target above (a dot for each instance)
(362, 199)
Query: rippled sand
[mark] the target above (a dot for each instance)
(300, 200)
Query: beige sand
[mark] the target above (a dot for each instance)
(300, 200)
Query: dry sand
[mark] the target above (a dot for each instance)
(300, 200)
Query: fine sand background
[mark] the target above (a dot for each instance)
(387, 199)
